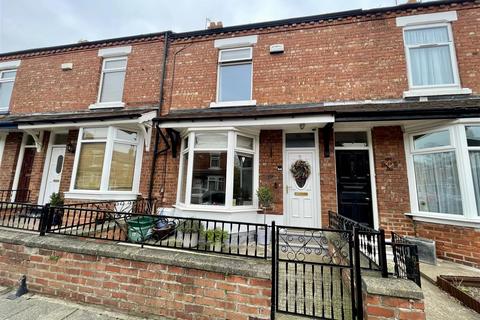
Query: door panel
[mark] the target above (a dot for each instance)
(54, 175)
(25, 175)
(353, 185)
(301, 201)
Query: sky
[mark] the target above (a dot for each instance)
(26, 24)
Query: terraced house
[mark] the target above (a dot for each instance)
(380, 110)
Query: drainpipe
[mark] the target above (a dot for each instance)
(159, 112)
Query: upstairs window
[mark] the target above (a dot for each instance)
(234, 75)
(431, 56)
(7, 79)
(112, 81)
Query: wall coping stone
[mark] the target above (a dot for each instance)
(248, 267)
(398, 288)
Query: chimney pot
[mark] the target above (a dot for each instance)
(215, 25)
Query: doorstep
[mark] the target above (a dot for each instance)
(446, 268)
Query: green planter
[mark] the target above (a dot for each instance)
(140, 228)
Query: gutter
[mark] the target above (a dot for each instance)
(159, 112)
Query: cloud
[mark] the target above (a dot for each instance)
(28, 24)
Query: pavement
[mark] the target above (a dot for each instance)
(35, 307)
(439, 304)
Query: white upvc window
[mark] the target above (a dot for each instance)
(444, 172)
(107, 160)
(7, 80)
(112, 80)
(227, 184)
(234, 77)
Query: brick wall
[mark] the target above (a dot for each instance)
(143, 288)
(271, 156)
(328, 178)
(458, 244)
(392, 182)
(384, 307)
(9, 159)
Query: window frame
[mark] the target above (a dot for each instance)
(109, 141)
(2, 71)
(232, 62)
(229, 176)
(453, 58)
(458, 144)
(102, 76)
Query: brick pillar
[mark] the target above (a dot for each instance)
(37, 169)
(328, 179)
(391, 179)
(13, 143)
(271, 156)
(396, 299)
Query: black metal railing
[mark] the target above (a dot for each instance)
(21, 215)
(405, 259)
(371, 242)
(15, 195)
(207, 235)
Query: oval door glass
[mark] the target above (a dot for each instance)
(59, 165)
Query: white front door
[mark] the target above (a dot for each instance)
(54, 175)
(302, 196)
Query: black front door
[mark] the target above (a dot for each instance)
(353, 185)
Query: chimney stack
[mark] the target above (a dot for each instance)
(215, 25)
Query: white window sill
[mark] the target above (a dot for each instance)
(435, 92)
(445, 219)
(101, 195)
(3, 110)
(215, 209)
(241, 103)
(107, 105)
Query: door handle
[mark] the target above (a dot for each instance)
(287, 189)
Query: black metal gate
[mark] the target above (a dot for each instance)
(313, 273)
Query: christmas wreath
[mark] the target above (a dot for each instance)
(300, 170)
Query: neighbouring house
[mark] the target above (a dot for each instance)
(379, 109)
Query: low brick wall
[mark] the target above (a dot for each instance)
(146, 282)
(392, 299)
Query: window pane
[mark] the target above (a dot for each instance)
(346, 139)
(60, 139)
(426, 36)
(208, 184)
(90, 166)
(6, 89)
(473, 136)
(431, 66)
(183, 183)
(300, 140)
(438, 189)
(238, 54)
(114, 64)
(244, 142)
(235, 82)
(8, 74)
(475, 164)
(130, 136)
(211, 140)
(243, 180)
(122, 168)
(95, 133)
(112, 87)
(432, 140)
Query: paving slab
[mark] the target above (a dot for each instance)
(444, 267)
(36, 307)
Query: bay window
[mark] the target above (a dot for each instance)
(444, 166)
(217, 170)
(107, 160)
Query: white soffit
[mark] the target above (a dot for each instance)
(115, 52)
(427, 18)
(10, 64)
(236, 42)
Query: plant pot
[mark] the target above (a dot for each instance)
(189, 240)
(261, 236)
(140, 228)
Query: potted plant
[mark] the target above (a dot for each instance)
(188, 231)
(57, 201)
(265, 199)
(215, 238)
